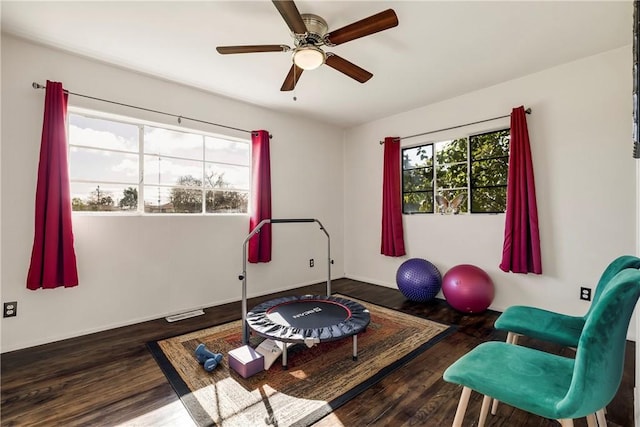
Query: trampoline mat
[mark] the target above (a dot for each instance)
(318, 317)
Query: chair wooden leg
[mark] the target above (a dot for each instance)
(591, 420)
(566, 422)
(602, 420)
(462, 407)
(494, 406)
(486, 401)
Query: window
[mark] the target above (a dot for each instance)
(457, 176)
(125, 166)
(489, 154)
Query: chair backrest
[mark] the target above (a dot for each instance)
(599, 358)
(616, 266)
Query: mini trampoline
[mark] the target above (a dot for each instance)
(307, 319)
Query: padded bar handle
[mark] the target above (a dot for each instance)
(276, 221)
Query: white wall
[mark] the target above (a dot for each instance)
(142, 267)
(580, 133)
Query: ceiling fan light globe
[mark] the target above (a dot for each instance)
(308, 57)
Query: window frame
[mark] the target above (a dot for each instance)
(140, 185)
(435, 189)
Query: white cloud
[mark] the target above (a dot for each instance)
(100, 139)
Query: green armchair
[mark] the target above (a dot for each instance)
(556, 327)
(549, 385)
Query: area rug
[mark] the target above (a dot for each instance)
(319, 379)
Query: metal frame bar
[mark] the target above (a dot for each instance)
(243, 275)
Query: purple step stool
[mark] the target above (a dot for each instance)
(246, 361)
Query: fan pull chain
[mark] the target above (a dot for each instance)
(295, 98)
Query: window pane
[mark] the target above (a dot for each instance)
(491, 144)
(453, 201)
(226, 176)
(489, 200)
(102, 166)
(452, 176)
(489, 172)
(451, 151)
(166, 171)
(103, 197)
(417, 179)
(417, 202)
(172, 143)
(186, 200)
(225, 151)
(157, 199)
(172, 200)
(417, 157)
(227, 201)
(99, 133)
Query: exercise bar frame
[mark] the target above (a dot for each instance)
(243, 275)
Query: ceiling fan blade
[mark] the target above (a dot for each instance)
(225, 50)
(292, 78)
(291, 16)
(373, 24)
(348, 68)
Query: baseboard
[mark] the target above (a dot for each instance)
(369, 280)
(394, 286)
(133, 321)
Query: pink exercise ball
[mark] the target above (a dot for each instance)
(468, 288)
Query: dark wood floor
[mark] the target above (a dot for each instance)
(109, 378)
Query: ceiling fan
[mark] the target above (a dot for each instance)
(310, 32)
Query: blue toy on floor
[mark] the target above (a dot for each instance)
(208, 359)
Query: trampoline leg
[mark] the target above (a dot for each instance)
(284, 356)
(355, 347)
(245, 334)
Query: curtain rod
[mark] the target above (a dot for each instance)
(39, 86)
(528, 111)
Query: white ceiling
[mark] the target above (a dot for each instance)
(439, 50)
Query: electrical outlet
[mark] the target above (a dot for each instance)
(311, 263)
(10, 309)
(585, 294)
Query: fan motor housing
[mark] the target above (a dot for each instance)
(316, 29)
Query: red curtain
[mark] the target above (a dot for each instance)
(392, 231)
(53, 259)
(521, 249)
(260, 243)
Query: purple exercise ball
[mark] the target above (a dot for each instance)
(418, 280)
(468, 288)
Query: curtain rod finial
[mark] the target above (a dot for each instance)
(528, 110)
(37, 85)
